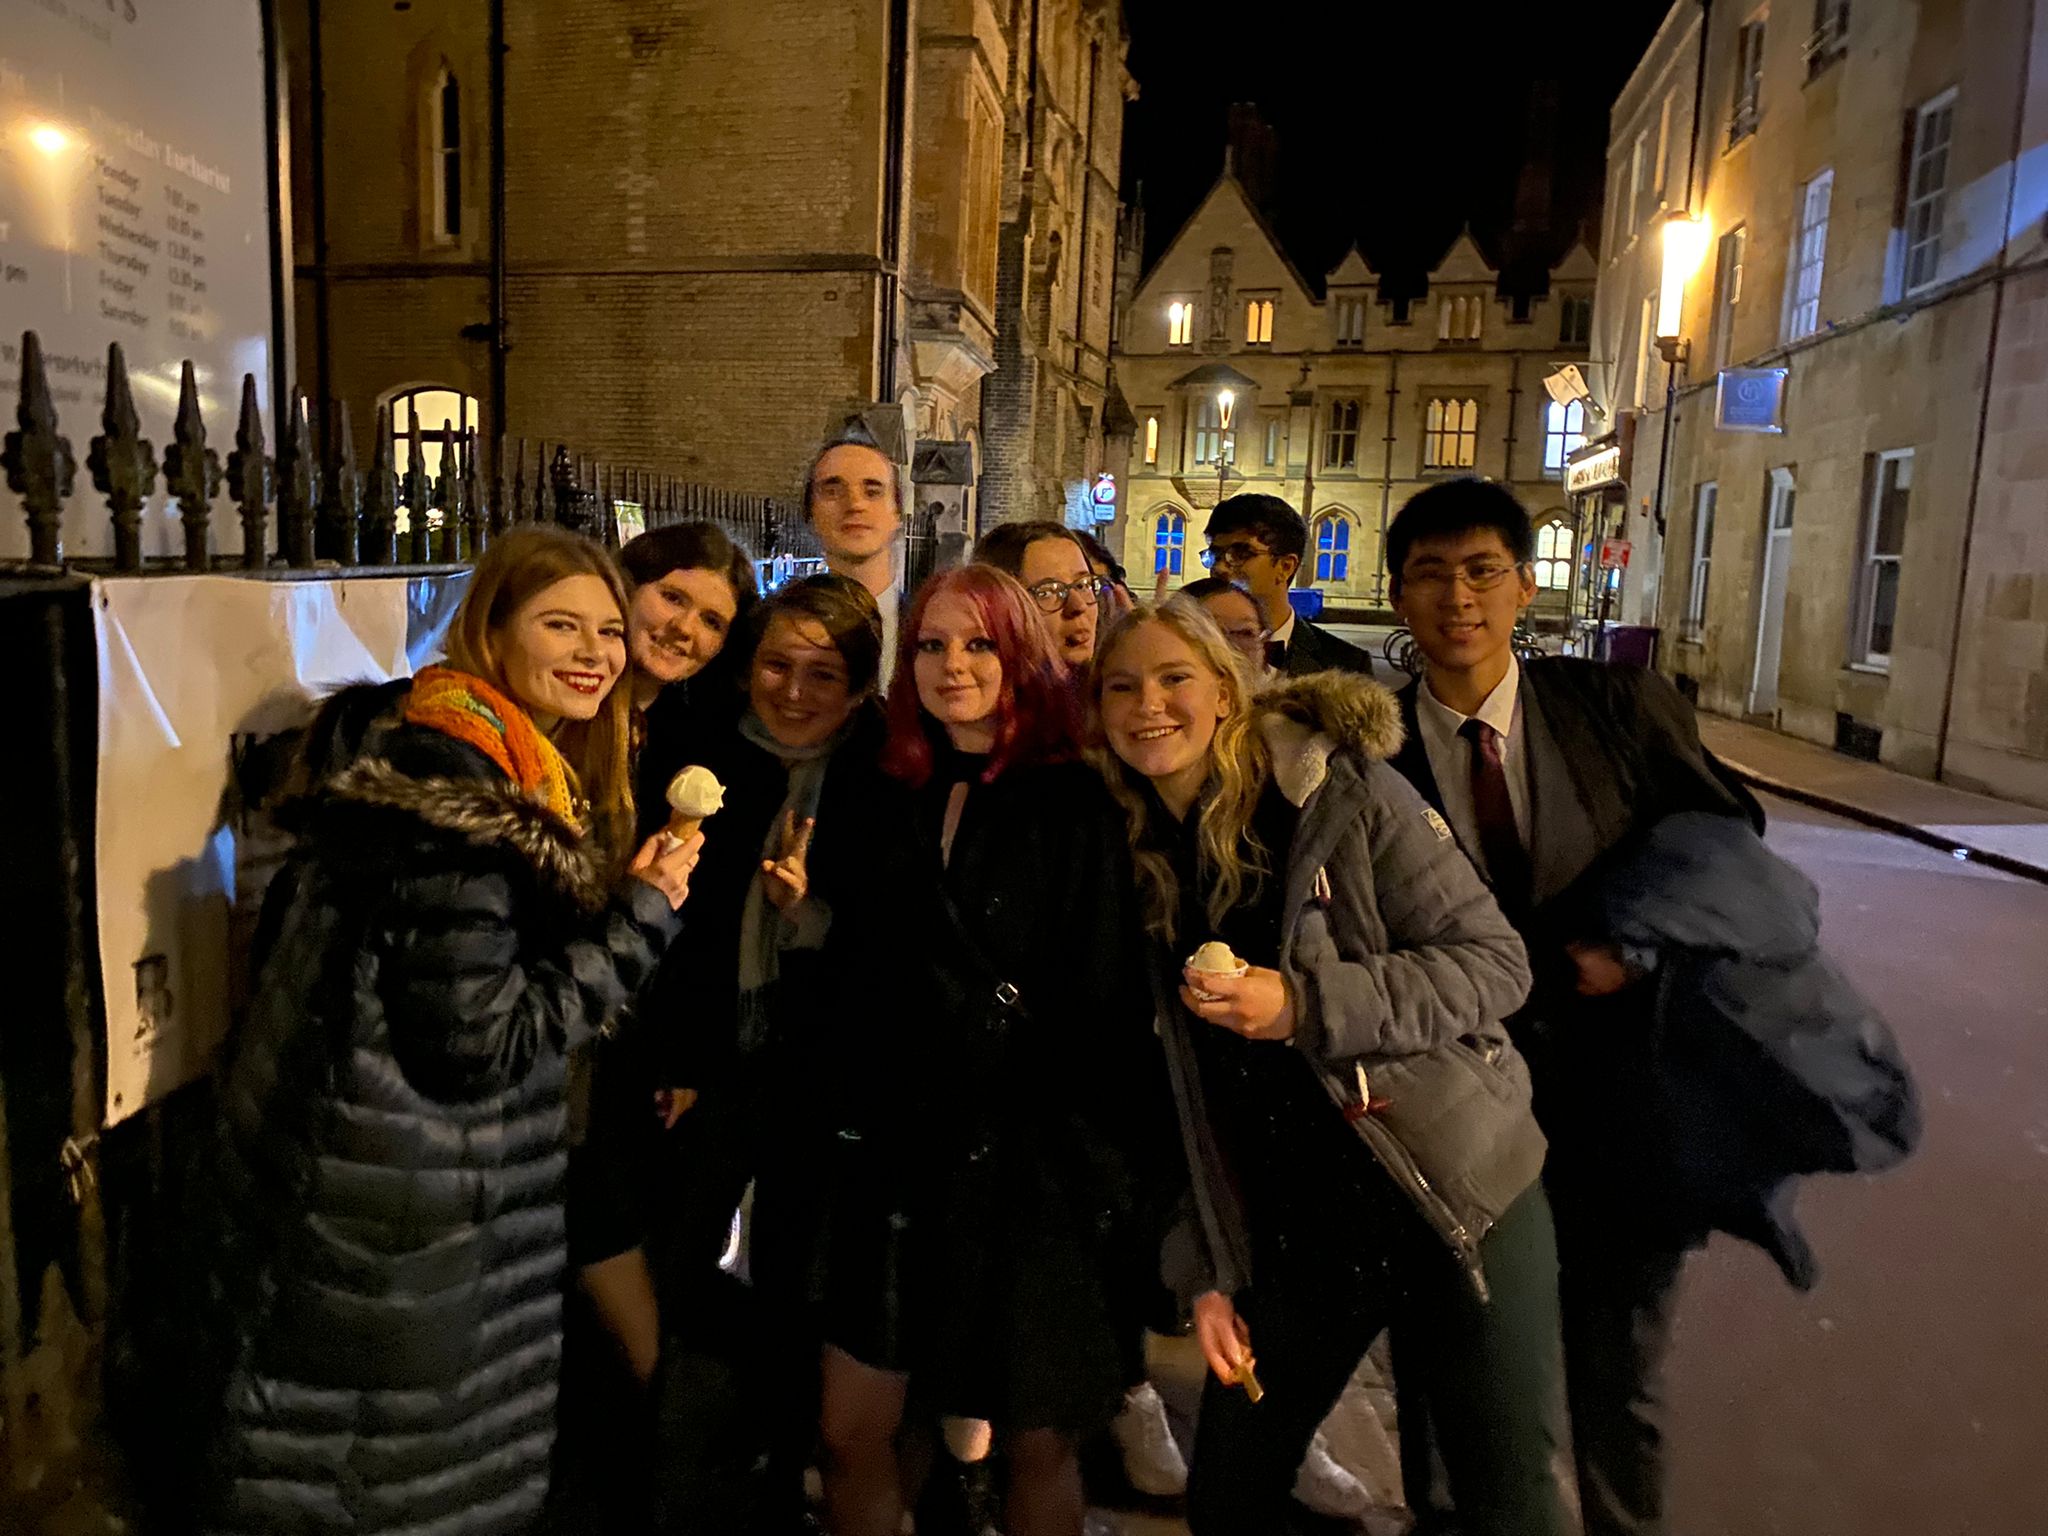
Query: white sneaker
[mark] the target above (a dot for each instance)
(1152, 1458)
(1327, 1488)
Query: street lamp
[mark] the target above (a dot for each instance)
(1226, 403)
(1685, 242)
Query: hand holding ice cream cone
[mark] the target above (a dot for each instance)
(693, 796)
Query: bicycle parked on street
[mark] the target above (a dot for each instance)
(1401, 650)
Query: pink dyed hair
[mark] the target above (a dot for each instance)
(1038, 712)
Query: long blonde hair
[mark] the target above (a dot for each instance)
(1240, 764)
(517, 565)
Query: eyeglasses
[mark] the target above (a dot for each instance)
(1229, 556)
(1051, 596)
(1247, 638)
(1480, 576)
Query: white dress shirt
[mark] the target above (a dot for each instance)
(891, 605)
(1450, 755)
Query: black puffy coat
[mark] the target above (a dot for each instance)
(382, 1321)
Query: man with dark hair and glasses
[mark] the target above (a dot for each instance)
(1052, 565)
(1540, 771)
(1259, 541)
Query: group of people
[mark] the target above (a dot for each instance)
(921, 996)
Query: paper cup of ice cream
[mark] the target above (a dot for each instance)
(1215, 959)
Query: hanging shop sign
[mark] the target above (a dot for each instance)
(1593, 467)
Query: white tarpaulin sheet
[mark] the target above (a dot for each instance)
(186, 664)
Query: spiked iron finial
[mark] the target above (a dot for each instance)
(39, 463)
(249, 479)
(448, 497)
(122, 463)
(341, 505)
(298, 485)
(418, 551)
(192, 471)
(380, 499)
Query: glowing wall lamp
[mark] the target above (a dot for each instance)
(1226, 408)
(1685, 242)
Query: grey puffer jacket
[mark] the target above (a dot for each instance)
(1401, 967)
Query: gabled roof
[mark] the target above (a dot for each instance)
(1228, 186)
(1464, 262)
(1577, 264)
(1214, 375)
(1352, 272)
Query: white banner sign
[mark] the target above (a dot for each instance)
(134, 207)
(186, 665)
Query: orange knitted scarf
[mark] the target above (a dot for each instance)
(473, 712)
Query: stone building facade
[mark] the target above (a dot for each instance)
(725, 226)
(1341, 401)
(1870, 203)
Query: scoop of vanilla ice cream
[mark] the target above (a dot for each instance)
(695, 792)
(1215, 956)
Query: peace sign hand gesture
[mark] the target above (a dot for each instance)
(788, 878)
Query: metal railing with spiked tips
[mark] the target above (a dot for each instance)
(325, 511)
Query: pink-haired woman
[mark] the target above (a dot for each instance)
(1027, 1035)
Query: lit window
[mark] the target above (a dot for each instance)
(1151, 439)
(1340, 441)
(429, 408)
(1459, 319)
(1927, 191)
(1646, 353)
(1747, 106)
(1180, 323)
(1553, 568)
(447, 118)
(1830, 40)
(1210, 438)
(1575, 321)
(1727, 294)
(1450, 438)
(1258, 323)
(1884, 548)
(1169, 543)
(1333, 548)
(1351, 322)
(1564, 433)
(1809, 258)
(1702, 560)
(1638, 180)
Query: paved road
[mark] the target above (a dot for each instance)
(1907, 1395)
(1908, 1392)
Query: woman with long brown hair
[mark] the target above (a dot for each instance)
(376, 1341)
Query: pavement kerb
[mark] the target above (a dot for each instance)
(1852, 811)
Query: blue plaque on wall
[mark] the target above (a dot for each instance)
(1750, 400)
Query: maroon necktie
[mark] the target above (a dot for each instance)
(1507, 861)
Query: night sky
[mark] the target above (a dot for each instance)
(1398, 122)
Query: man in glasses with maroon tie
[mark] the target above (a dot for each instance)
(1539, 770)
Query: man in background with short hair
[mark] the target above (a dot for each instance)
(1259, 542)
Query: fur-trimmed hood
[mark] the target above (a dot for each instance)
(361, 761)
(1305, 720)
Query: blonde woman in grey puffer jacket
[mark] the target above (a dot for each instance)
(1356, 1122)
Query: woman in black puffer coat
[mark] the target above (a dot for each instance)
(376, 1339)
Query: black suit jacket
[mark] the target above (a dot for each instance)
(1311, 648)
(1611, 751)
